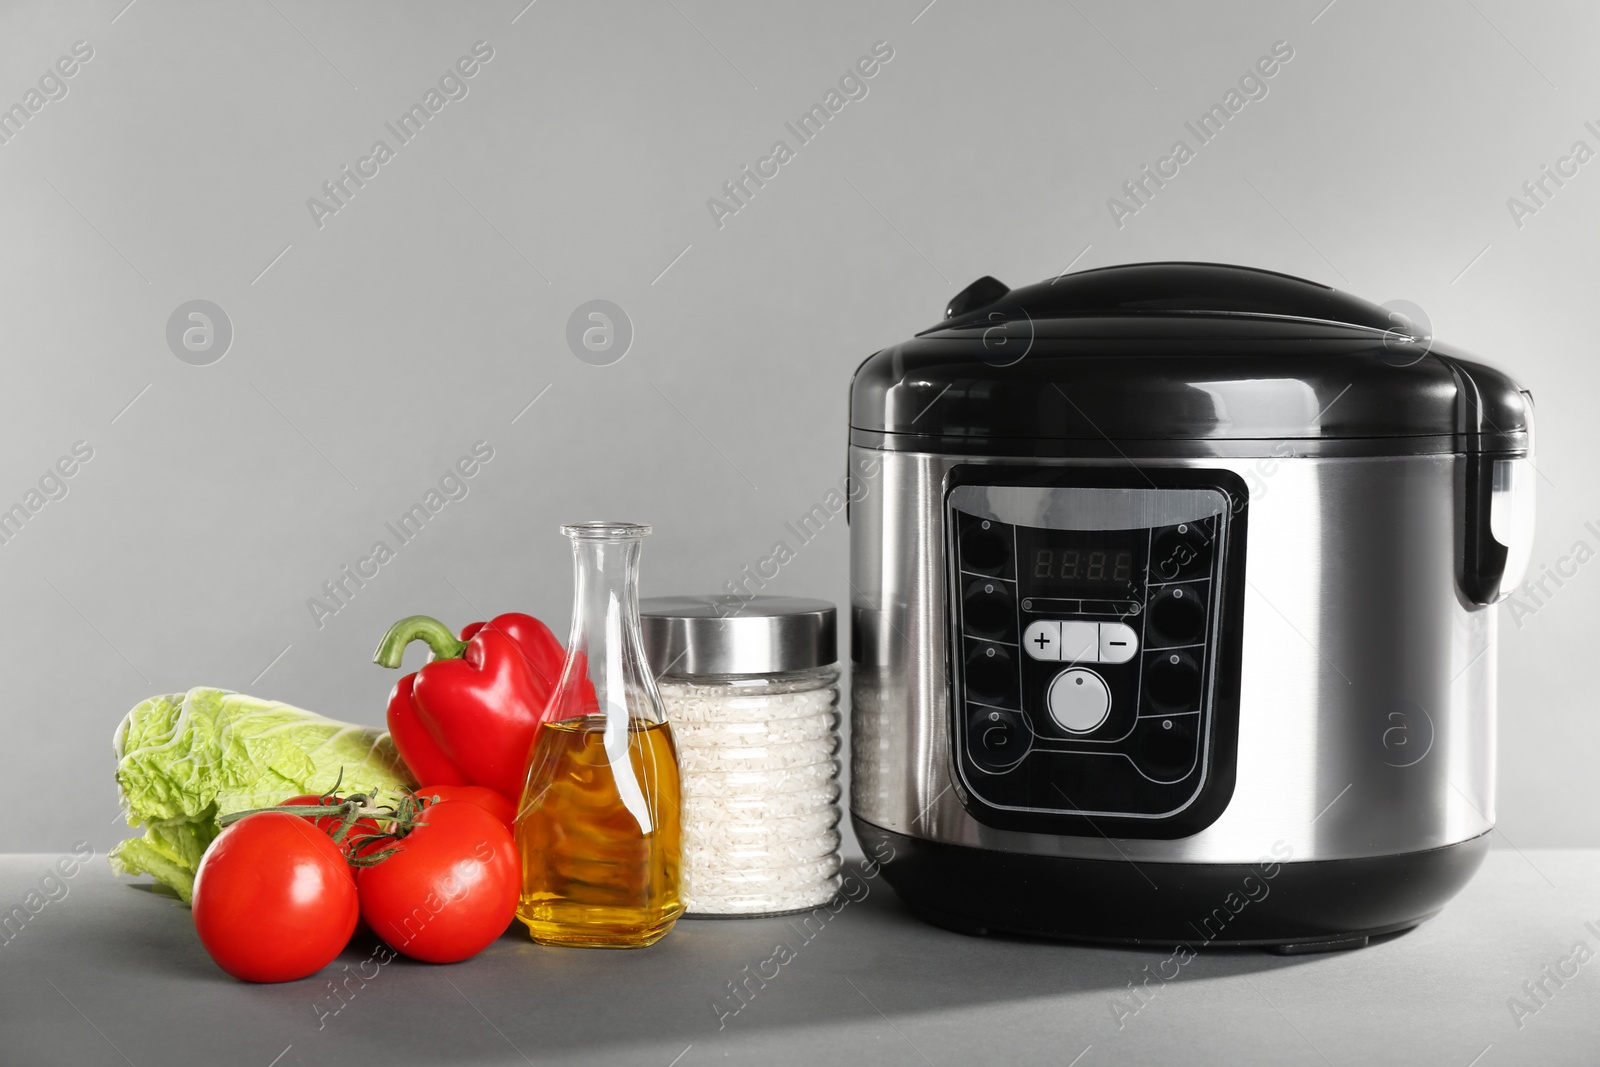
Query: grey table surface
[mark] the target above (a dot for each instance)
(108, 972)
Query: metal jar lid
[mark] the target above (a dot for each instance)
(733, 635)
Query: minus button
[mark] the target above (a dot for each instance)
(1118, 642)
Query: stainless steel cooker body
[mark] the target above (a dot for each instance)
(1366, 703)
(1173, 592)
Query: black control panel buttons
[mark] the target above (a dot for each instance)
(1165, 748)
(996, 738)
(989, 610)
(1177, 616)
(1182, 553)
(1172, 681)
(986, 547)
(991, 674)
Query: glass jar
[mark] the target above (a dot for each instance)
(751, 688)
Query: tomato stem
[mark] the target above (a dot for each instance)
(401, 818)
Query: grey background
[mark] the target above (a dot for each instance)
(369, 354)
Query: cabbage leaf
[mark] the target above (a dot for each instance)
(186, 758)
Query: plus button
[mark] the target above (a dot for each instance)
(1042, 640)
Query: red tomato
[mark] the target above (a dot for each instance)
(328, 824)
(354, 839)
(449, 890)
(274, 899)
(491, 800)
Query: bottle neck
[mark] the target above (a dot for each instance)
(605, 603)
(605, 644)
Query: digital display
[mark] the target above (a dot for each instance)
(1071, 564)
(1105, 564)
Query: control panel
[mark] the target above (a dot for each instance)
(1094, 628)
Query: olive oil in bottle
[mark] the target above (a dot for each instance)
(600, 847)
(598, 826)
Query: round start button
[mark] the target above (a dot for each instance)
(1079, 700)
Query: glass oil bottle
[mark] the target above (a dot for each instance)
(598, 826)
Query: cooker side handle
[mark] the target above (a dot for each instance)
(1499, 522)
(1483, 562)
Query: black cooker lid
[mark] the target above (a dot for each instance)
(1153, 352)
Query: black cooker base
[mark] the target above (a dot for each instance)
(1288, 907)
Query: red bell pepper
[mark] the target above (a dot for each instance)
(470, 715)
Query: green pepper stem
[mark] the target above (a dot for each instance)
(435, 634)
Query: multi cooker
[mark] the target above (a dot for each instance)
(1172, 609)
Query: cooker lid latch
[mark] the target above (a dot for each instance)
(981, 293)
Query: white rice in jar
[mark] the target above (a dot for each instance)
(751, 690)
